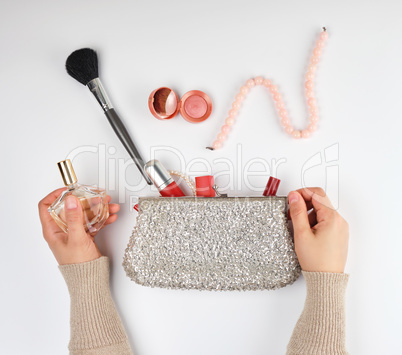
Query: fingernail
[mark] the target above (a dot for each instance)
(71, 203)
(293, 197)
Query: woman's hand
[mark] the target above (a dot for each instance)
(321, 236)
(76, 246)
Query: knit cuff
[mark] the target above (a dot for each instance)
(84, 279)
(332, 285)
(95, 323)
(321, 326)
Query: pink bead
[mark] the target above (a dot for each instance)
(259, 80)
(244, 90)
(309, 84)
(313, 118)
(312, 127)
(312, 68)
(236, 105)
(277, 97)
(313, 110)
(250, 83)
(232, 113)
(296, 134)
(309, 93)
(229, 121)
(273, 89)
(309, 75)
(221, 137)
(267, 83)
(285, 122)
(305, 133)
(240, 97)
(216, 144)
(323, 35)
(289, 129)
(320, 44)
(314, 60)
(283, 113)
(225, 129)
(317, 52)
(280, 104)
(311, 102)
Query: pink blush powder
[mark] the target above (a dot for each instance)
(195, 106)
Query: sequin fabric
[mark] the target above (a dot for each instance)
(221, 243)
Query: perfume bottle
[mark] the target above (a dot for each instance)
(93, 201)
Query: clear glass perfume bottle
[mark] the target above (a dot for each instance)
(93, 201)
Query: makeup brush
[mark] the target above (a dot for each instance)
(82, 65)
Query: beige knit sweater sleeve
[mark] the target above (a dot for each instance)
(97, 329)
(95, 325)
(321, 327)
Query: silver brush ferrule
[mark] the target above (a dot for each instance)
(158, 174)
(99, 92)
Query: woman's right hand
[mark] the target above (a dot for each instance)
(321, 236)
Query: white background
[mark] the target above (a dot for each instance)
(213, 46)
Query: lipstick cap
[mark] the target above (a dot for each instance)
(204, 185)
(272, 186)
(158, 174)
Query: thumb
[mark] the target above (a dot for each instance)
(298, 213)
(74, 216)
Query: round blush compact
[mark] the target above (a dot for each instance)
(195, 106)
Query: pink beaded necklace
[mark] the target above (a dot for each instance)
(280, 105)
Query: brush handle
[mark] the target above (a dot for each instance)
(125, 138)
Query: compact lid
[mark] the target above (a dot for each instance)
(163, 103)
(67, 172)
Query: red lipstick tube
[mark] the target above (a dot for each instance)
(272, 187)
(162, 180)
(205, 186)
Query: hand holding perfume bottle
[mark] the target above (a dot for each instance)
(92, 200)
(76, 216)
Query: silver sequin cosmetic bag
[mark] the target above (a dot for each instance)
(218, 243)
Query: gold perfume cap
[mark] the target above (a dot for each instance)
(67, 172)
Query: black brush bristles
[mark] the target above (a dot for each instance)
(82, 65)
